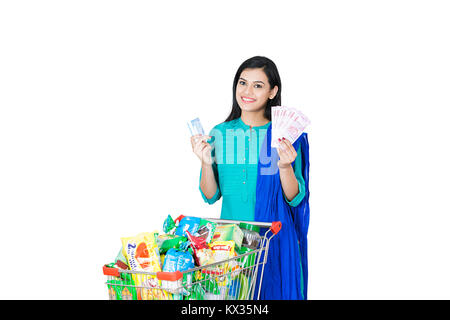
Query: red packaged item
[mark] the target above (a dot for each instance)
(202, 251)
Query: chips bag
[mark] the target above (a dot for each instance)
(142, 254)
(177, 260)
(190, 224)
(169, 241)
(206, 230)
(201, 251)
(169, 225)
(221, 250)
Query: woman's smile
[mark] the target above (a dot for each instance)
(247, 99)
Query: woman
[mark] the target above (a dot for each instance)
(237, 164)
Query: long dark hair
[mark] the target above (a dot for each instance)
(271, 71)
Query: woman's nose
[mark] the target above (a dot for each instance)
(248, 90)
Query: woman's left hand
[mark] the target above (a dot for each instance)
(287, 153)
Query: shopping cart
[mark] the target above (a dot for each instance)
(231, 279)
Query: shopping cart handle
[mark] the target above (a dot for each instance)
(169, 276)
(275, 227)
(107, 271)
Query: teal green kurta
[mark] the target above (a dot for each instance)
(235, 153)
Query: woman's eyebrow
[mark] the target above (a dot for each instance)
(253, 81)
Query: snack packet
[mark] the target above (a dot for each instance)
(239, 289)
(177, 260)
(142, 254)
(168, 241)
(210, 283)
(201, 251)
(121, 261)
(229, 232)
(169, 225)
(206, 230)
(246, 261)
(197, 292)
(222, 250)
(121, 288)
(234, 267)
(190, 224)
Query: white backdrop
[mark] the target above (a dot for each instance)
(94, 99)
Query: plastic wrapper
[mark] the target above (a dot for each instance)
(221, 250)
(234, 267)
(206, 230)
(142, 254)
(201, 251)
(197, 292)
(229, 232)
(121, 288)
(169, 225)
(121, 261)
(247, 261)
(251, 237)
(190, 224)
(176, 260)
(239, 288)
(169, 241)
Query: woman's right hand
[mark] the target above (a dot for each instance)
(201, 148)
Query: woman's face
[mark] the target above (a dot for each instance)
(253, 90)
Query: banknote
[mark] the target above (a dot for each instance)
(288, 123)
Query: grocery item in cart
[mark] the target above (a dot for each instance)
(169, 225)
(229, 232)
(234, 267)
(142, 254)
(209, 282)
(169, 241)
(197, 292)
(121, 260)
(239, 288)
(222, 250)
(251, 237)
(190, 224)
(247, 261)
(121, 288)
(201, 251)
(177, 260)
(206, 230)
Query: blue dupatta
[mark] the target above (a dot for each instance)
(286, 270)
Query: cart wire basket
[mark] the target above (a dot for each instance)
(231, 279)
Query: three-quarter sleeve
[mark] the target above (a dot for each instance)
(301, 182)
(218, 194)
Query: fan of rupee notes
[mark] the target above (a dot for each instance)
(287, 123)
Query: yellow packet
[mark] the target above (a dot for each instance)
(142, 254)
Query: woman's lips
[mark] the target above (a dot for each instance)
(247, 100)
